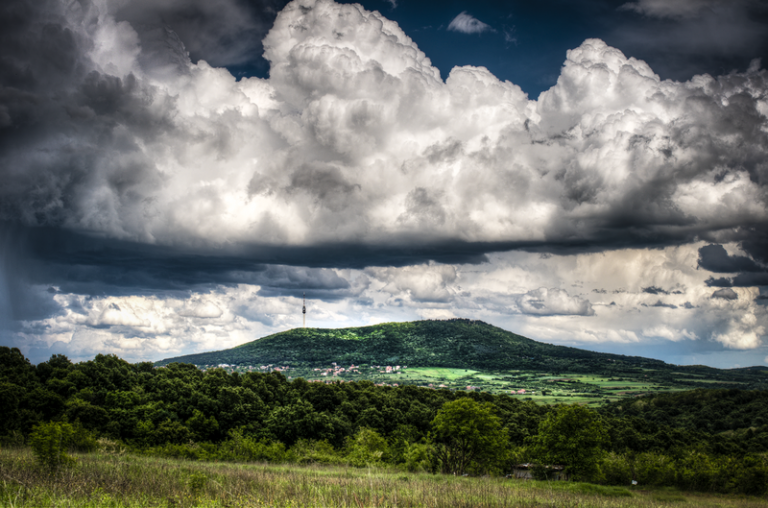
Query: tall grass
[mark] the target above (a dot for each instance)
(131, 481)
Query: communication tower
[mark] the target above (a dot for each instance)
(304, 309)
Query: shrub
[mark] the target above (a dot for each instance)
(241, 448)
(365, 448)
(418, 457)
(309, 451)
(50, 443)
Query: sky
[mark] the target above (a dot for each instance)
(177, 174)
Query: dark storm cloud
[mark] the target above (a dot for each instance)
(35, 258)
(715, 259)
(222, 32)
(677, 37)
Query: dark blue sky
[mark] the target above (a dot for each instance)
(526, 42)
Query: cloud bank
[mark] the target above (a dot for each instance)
(355, 138)
(194, 198)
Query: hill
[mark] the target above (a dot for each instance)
(455, 343)
(462, 352)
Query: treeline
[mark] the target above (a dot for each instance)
(181, 411)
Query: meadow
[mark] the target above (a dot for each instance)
(127, 480)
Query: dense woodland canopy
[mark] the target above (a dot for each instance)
(711, 440)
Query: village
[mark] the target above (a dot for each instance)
(336, 373)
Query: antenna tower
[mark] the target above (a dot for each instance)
(304, 309)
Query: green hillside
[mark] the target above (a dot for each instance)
(463, 354)
(456, 343)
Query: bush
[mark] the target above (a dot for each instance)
(241, 448)
(50, 443)
(309, 451)
(418, 457)
(617, 469)
(365, 448)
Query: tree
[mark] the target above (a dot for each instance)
(572, 436)
(467, 434)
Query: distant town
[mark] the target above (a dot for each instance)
(335, 372)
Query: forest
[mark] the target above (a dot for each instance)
(700, 440)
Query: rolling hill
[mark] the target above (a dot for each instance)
(460, 353)
(456, 343)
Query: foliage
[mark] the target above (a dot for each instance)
(572, 436)
(709, 440)
(418, 457)
(243, 448)
(310, 451)
(50, 442)
(366, 448)
(468, 435)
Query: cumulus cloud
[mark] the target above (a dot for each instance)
(421, 283)
(468, 24)
(128, 159)
(354, 138)
(201, 309)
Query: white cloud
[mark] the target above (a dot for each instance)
(202, 309)
(355, 138)
(468, 24)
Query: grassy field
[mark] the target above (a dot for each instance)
(114, 480)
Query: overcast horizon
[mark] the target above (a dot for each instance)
(178, 173)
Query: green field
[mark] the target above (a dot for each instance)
(541, 387)
(130, 481)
